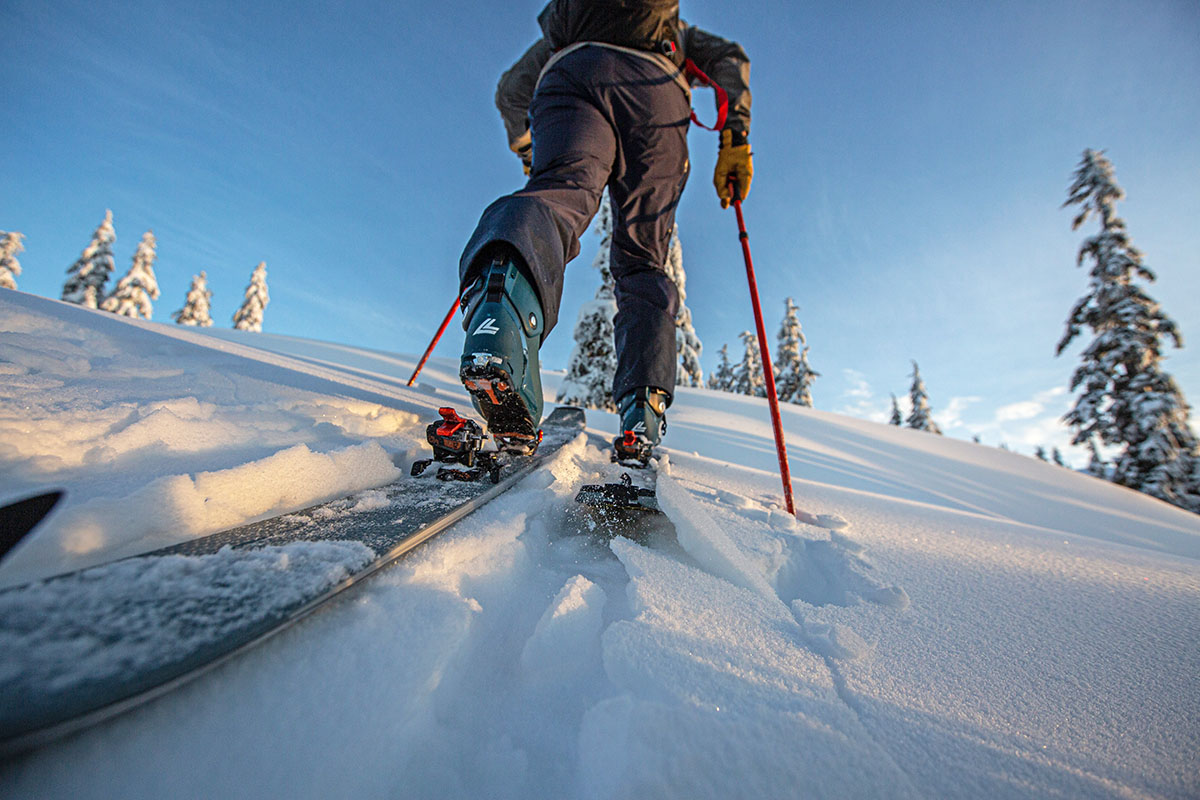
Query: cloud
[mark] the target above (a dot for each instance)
(1026, 409)
(951, 416)
(859, 387)
(858, 399)
(1025, 425)
(1029, 409)
(1022, 425)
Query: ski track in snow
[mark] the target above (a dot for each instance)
(966, 635)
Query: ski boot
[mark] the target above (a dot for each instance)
(643, 423)
(504, 322)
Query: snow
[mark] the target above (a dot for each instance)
(983, 624)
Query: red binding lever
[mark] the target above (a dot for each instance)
(453, 422)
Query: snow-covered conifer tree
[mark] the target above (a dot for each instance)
(10, 268)
(250, 316)
(687, 343)
(1040, 452)
(748, 376)
(139, 286)
(196, 307)
(921, 416)
(897, 418)
(722, 379)
(1096, 465)
(593, 362)
(87, 277)
(1126, 400)
(793, 374)
(1057, 457)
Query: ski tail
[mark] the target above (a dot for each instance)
(19, 518)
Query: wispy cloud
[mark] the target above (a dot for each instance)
(1029, 409)
(951, 417)
(1025, 425)
(858, 399)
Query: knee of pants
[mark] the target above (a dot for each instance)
(653, 287)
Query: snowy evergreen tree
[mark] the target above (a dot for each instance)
(10, 268)
(921, 417)
(1057, 457)
(138, 287)
(250, 316)
(687, 343)
(793, 374)
(86, 278)
(1096, 465)
(593, 362)
(748, 376)
(196, 307)
(897, 418)
(723, 378)
(1125, 399)
(1040, 452)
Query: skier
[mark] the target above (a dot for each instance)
(602, 99)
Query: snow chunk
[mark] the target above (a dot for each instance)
(893, 596)
(831, 639)
(176, 508)
(567, 636)
(705, 541)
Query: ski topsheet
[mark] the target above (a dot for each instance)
(80, 648)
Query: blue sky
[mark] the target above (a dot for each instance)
(910, 161)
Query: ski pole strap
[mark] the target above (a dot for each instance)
(694, 73)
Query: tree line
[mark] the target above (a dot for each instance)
(1127, 404)
(132, 296)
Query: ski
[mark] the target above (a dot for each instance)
(625, 504)
(139, 627)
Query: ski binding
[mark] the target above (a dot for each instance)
(632, 451)
(457, 440)
(623, 495)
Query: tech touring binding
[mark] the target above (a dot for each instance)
(457, 440)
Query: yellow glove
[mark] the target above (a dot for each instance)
(733, 161)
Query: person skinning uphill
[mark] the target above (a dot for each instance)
(602, 99)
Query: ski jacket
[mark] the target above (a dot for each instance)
(562, 21)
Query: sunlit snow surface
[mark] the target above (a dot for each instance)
(986, 626)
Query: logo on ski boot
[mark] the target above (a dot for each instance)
(488, 326)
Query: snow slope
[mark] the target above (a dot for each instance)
(987, 625)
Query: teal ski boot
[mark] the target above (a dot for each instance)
(504, 322)
(643, 422)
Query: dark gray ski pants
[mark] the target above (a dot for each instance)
(602, 118)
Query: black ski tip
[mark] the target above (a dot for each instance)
(19, 518)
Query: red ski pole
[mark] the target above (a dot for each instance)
(768, 371)
(433, 344)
